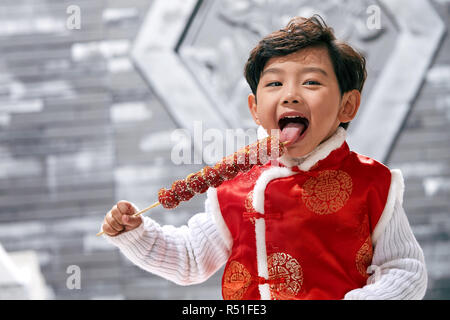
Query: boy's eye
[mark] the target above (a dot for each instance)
(311, 83)
(274, 84)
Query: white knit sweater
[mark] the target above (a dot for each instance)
(192, 253)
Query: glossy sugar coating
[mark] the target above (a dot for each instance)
(226, 168)
(196, 183)
(181, 190)
(167, 198)
(212, 177)
(243, 160)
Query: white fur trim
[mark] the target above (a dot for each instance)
(264, 291)
(319, 153)
(260, 224)
(212, 206)
(261, 253)
(261, 184)
(395, 193)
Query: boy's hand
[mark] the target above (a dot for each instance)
(119, 219)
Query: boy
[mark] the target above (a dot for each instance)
(312, 225)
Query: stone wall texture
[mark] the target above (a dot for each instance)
(80, 129)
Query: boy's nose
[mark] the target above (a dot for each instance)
(291, 97)
(292, 100)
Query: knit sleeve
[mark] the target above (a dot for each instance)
(398, 263)
(186, 255)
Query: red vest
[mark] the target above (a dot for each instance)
(313, 238)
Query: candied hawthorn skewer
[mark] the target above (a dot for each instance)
(243, 160)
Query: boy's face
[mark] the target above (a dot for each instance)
(303, 87)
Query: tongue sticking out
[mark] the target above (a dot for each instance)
(291, 132)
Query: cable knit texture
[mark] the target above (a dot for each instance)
(398, 264)
(185, 255)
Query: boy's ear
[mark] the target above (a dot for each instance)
(350, 105)
(253, 107)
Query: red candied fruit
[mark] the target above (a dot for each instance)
(211, 177)
(253, 154)
(269, 149)
(242, 160)
(276, 148)
(264, 151)
(181, 190)
(167, 198)
(196, 183)
(226, 168)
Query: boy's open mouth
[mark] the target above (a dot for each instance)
(292, 128)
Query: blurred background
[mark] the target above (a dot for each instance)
(91, 91)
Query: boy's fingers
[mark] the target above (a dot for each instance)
(131, 221)
(113, 223)
(125, 207)
(116, 214)
(120, 219)
(107, 229)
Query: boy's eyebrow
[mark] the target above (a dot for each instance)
(315, 69)
(272, 70)
(303, 70)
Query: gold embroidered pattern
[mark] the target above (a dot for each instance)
(236, 281)
(287, 270)
(328, 192)
(249, 202)
(363, 257)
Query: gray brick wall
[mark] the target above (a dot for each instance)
(422, 151)
(68, 154)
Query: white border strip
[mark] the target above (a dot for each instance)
(262, 182)
(395, 193)
(321, 152)
(212, 206)
(260, 224)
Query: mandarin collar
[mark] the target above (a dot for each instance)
(321, 152)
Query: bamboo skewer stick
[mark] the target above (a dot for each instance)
(138, 213)
(146, 209)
